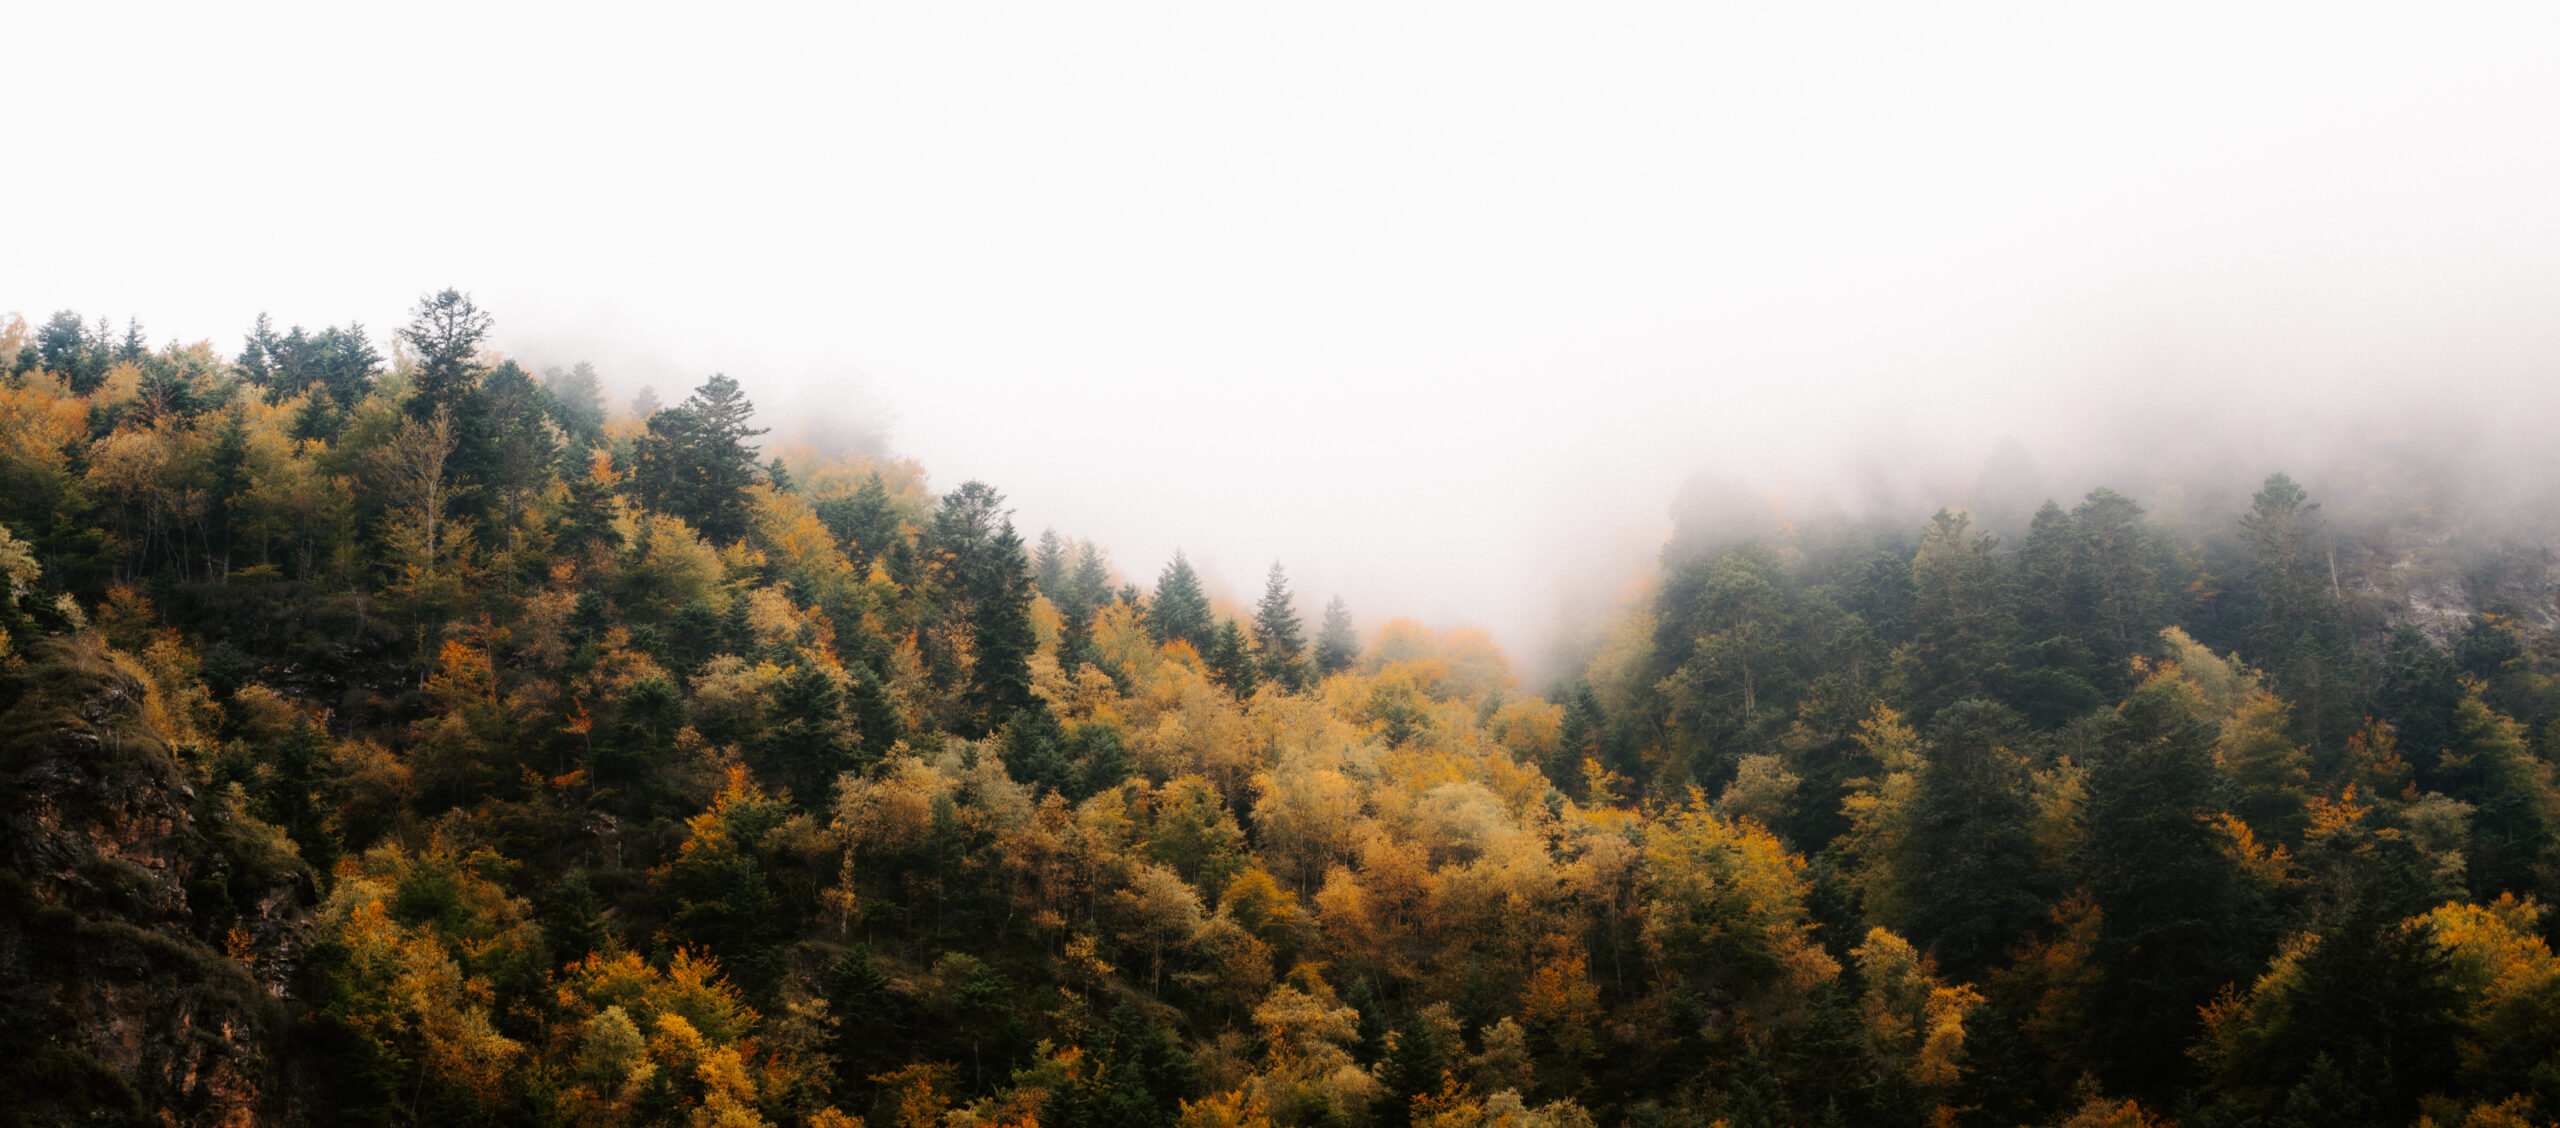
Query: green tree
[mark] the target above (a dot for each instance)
(696, 461)
(1180, 610)
(2490, 767)
(2298, 635)
(69, 349)
(1968, 861)
(577, 403)
(1278, 641)
(1960, 615)
(1049, 565)
(447, 330)
(1337, 644)
(999, 594)
(2180, 919)
(1230, 660)
(864, 522)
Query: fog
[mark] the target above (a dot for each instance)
(1439, 305)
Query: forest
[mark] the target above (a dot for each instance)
(392, 734)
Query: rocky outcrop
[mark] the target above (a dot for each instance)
(121, 890)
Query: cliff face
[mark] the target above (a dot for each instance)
(121, 888)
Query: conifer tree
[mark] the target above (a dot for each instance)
(2180, 918)
(999, 594)
(1230, 659)
(255, 363)
(696, 462)
(577, 402)
(1049, 565)
(2298, 636)
(864, 522)
(1278, 641)
(1960, 614)
(2490, 766)
(1180, 610)
(447, 331)
(1337, 644)
(1970, 870)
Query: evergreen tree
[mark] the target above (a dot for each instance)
(1337, 644)
(864, 522)
(1960, 615)
(2490, 767)
(71, 351)
(696, 462)
(1277, 639)
(1081, 596)
(447, 331)
(2420, 692)
(577, 403)
(2058, 671)
(257, 351)
(1049, 565)
(2180, 918)
(1969, 865)
(523, 448)
(999, 594)
(805, 747)
(1180, 609)
(2123, 590)
(2298, 635)
(1418, 1052)
(1230, 660)
(1090, 586)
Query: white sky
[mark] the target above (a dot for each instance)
(1436, 303)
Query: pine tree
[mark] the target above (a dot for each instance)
(1960, 614)
(577, 403)
(447, 331)
(2299, 636)
(1970, 866)
(1180, 610)
(1337, 644)
(1278, 641)
(257, 349)
(1049, 565)
(999, 595)
(696, 462)
(864, 522)
(1081, 597)
(2490, 766)
(2181, 920)
(1230, 660)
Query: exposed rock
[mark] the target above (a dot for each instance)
(121, 888)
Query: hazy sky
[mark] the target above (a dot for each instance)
(1437, 303)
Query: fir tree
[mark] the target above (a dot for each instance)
(696, 462)
(1337, 644)
(577, 402)
(1279, 644)
(1230, 659)
(1180, 610)
(999, 593)
(447, 331)
(1049, 565)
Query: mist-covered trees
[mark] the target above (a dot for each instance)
(632, 785)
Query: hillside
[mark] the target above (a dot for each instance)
(420, 740)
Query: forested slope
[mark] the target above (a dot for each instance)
(416, 739)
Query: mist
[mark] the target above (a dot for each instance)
(1445, 309)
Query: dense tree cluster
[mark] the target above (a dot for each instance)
(643, 779)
